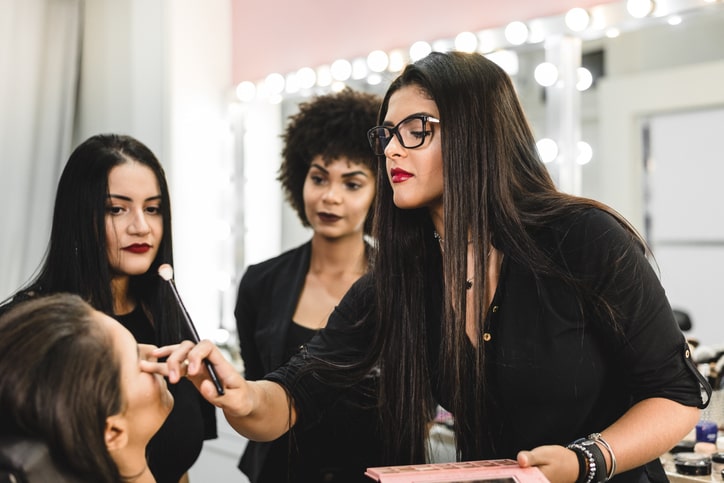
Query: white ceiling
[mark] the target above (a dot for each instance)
(284, 35)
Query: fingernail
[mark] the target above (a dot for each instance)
(172, 375)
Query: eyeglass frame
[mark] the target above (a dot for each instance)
(425, 118)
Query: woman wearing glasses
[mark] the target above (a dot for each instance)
(328, 174)
(531, 315)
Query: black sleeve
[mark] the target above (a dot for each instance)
(208, 413)
(648, 344)
(344, 341)
(246, 320)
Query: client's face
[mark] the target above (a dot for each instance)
(146, 399)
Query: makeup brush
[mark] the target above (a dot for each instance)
(166, 273)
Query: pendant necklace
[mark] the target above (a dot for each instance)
(468, 282)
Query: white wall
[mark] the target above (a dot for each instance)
(124, 72)
(687, 225)
(160, 70)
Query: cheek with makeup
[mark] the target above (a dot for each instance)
(134, 219)
(415, 174)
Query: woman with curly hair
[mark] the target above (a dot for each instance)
(328, 175)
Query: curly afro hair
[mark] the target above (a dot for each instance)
(333, 126)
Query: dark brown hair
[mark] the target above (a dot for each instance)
(60, 381)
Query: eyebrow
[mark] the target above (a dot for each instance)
(127, 198)
(345, 175)
(421, 113)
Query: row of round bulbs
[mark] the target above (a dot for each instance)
(333, 76)
(548, 151)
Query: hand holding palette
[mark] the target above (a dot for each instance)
(488, 471)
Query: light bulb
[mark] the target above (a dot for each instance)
(291, 83)
(341, 69)
(245, 91)
(306, 77)
(466, 42)
(547, 149)
(274, 83)
(585, 79)
(324, 76)
(516, 33)
(359, 69)
(419, 50)
(546, 74)
(577, 19)
(585, 153)
(640, 8)
(377, 61)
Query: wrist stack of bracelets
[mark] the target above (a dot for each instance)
(591, 462)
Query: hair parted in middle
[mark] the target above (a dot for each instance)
(496, 192)
(77, 259)
(332, 126)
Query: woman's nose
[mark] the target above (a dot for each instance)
(394, 148)
(139, 225)
(331, 195)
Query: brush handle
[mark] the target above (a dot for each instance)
(195, 337)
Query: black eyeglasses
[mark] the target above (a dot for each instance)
(411, 133)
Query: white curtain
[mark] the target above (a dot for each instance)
(39, 71)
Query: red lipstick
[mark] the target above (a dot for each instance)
(399, 175)
(138, 248)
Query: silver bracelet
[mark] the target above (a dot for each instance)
(589, 463)
(599, 438)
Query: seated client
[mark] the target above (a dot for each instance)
(74, 403)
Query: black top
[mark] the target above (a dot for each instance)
(346, 441)
(177, 445)
(552, 376)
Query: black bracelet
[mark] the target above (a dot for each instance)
(598, 458)
(586, 463)
(599, 438)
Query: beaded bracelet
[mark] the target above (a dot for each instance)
(599, 438)
(598, 458)
(586, 463)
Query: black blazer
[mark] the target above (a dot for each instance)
(265, 304)
(346, 441)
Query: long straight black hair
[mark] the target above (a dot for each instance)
(76, 260)
(496, 192)
(495, 188)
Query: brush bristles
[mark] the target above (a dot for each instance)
(166, 271)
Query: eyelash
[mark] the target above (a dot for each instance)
(351, 185)
(118, 210)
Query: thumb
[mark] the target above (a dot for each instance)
(526, 459)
